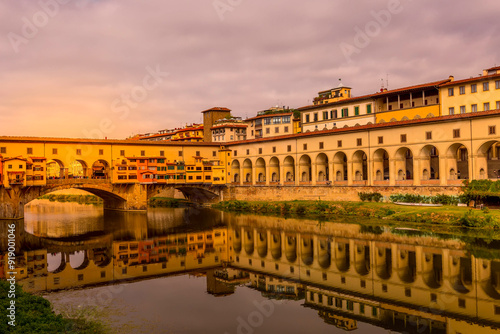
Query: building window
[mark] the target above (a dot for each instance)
(497, 310)
(3, 149)
(451, 111)
(403, 138)
(473, 108)
(325, 115)
(286, 129)
(268, 131)
(274, 149)
(162, 153)
(356, 110)
(473, 88)
(321, 145)
(260, 150)
(384, 287)
(492, 130)
(78, 151)
(350, 305)
(333, 113)
(433, 297)
(143, 153)
(428, 135)
(122, 153)
(248, 152)
(101, 152)
(380, 140)
(359, 142)
(498, 105)
(289, 148)
(339, 143)
(486, 86)
(338, 302)
(486, 106)
(30, 150)
(462, 109)
(345, 112)
(456, 133)
(305, 147)
(235, 153)
(198, 154)
(368, 108)
(315, 116)
(462, 90)
(180, 153)
(54, 151)
(307, 119)
(407, 292)
(451, 91)
(276, 130)
(461, 303)
(497, 84)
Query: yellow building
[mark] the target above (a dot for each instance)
(480, 93)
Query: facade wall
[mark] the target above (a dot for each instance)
(466, 98)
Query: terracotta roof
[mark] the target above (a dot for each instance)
(371, 126)
(481, 78)
(493, 68)
(270, 115)
(39, 158)
(15, 158)
(378, 94)
(217, 109)
(86, 141)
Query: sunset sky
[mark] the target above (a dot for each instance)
(102, 68)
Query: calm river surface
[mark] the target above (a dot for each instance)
(204, 271)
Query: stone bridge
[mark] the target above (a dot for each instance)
(115, 196)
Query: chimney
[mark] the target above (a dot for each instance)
(452, 78)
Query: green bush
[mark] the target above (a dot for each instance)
(438, 199)
(369, 197)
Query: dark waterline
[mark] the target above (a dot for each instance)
(190, 270)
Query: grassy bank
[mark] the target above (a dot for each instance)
(449, 215)
(33, 314)
(82, 199)
(166, 202)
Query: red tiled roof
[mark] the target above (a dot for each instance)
(217, 109)
(379, 94)
(371, 126)
(484, 77)
(493, 68)
(87, 141)
(39, 158)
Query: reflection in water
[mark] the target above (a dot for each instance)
(352, 278)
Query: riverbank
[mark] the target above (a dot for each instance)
(325, 210)
(33, 314)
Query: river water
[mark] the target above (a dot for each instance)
(190, 270)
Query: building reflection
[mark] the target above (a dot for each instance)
(349, 274)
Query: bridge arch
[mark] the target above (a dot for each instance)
(56, 170)
(100, 169)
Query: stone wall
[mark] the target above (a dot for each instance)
(326, 193)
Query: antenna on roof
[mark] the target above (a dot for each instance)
(387, 81)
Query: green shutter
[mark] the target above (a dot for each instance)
(356, 111)
(369, 109)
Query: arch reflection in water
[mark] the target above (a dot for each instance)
(451, 288)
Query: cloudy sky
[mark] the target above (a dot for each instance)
(102, 68)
